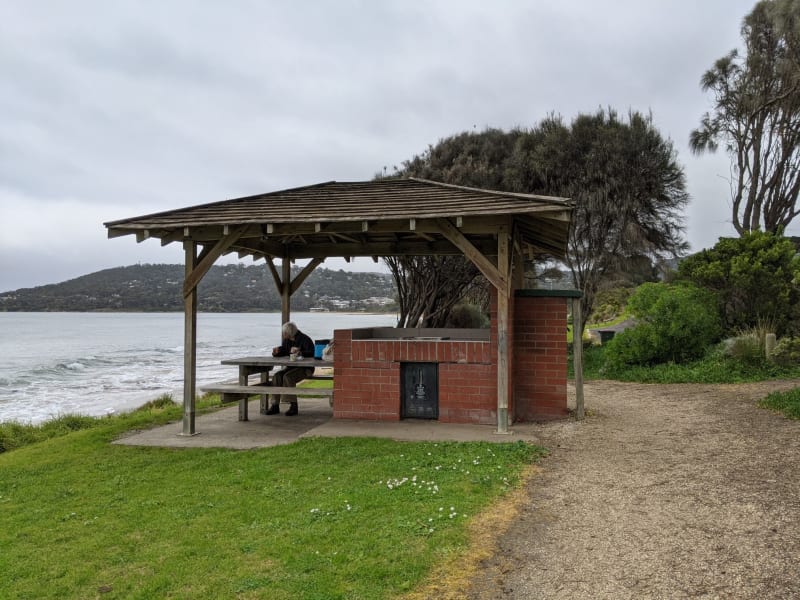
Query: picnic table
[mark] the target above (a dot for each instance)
(242, 389)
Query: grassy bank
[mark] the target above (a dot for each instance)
(787, 403)
(321, 518)
(713, 368)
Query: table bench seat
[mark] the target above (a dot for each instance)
(231, 391)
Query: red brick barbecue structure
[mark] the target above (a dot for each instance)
(369, 362)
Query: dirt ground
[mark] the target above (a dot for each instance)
(664, 491)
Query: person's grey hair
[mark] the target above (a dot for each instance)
(289, 329)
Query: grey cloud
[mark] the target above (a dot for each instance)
(154, 105)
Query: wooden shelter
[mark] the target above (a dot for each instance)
(392, 217)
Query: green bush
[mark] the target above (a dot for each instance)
(787, 352)
(467, 316)
(755, 276)
(675, 323)
(631, 347)
(609, 304)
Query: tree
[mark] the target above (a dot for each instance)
(757, 116)
(756, 279)
(628, 188)
(428, 287)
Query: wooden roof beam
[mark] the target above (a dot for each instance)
(115, 233)
(347, 238)
(412, 226)
(173, 236)
(270, 248)
(207, 258)
(388, 248)
(484, 265)
(275, 275)
(302, 275)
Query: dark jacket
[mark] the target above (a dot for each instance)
(302, 341)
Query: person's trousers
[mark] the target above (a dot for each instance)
(289, 378)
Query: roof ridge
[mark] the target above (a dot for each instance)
(520, 195)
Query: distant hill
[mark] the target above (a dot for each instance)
(225, 288)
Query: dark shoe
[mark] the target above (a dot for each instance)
(273, 409)
(292, 410)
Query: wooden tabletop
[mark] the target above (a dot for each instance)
(277, 361)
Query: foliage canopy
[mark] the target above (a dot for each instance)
(757, 116)
(623, 175)
(628, 187)
(675, 323)
(755, 277)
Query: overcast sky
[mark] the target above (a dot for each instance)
(113, 109)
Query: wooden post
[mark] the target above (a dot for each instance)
(518, 272)
(577, 356)
(502, 331)
(286, 289)
(189, 341)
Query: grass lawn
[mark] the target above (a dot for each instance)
(787, 403)
(320, 518)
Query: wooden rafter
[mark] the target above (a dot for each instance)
(207, 258)
(484, 265)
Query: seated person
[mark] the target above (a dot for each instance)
(297, 341)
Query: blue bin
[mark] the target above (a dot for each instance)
(319, 346)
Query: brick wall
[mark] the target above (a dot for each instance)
(367, 382)
(367, 378)
(540, 358)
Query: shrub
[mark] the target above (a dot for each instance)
(635, 346)
(755, 277)
(749, 346)
(675, 323)
(787, 352)
(609, 304)
(746, 348)
(467, 316)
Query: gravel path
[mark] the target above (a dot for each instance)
(664, 491)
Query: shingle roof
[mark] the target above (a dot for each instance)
(359, 218)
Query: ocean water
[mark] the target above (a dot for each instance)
(101, 363)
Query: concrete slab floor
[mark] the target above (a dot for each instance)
(222, 429)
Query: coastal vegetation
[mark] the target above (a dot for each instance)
(787, 403)
(717, 365)
(727, 315)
